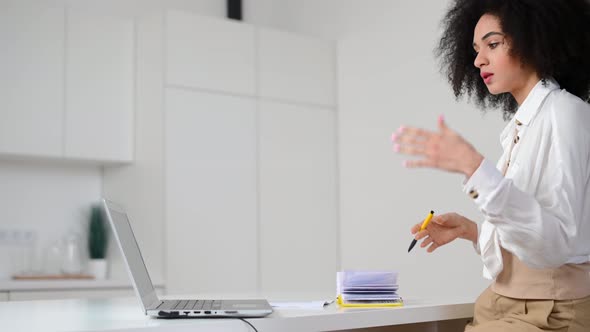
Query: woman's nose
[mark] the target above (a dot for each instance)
(480, 60)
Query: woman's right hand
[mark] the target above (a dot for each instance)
(445, 228)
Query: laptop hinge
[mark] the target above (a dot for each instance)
(155, 305)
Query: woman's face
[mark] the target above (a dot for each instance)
(500, 71)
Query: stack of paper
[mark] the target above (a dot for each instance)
(367, 288)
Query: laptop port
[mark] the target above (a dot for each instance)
(187, 312)
(196, 312)
(207, 312)
(231, 311)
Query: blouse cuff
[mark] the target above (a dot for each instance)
(484, 181)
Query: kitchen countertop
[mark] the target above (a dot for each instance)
(66, 284)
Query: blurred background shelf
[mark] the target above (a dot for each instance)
(66, 284)
(21, 290)
(54, 277)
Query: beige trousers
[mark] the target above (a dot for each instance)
(495, 312)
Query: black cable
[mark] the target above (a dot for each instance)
(247, 322)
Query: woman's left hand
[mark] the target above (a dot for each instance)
(445, 150)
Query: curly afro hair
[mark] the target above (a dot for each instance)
(551, 36)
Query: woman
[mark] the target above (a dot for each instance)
(532, 59)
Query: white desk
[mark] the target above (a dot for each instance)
(124, 314)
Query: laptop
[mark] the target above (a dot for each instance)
(146, 293)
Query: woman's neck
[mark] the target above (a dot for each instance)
(523, 91)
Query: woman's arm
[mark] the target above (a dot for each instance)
(543, 228)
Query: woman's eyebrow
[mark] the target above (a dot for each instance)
(487, 35)
(491, 33)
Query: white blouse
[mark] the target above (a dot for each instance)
(540, 209)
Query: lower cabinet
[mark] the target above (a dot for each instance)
(3, 296)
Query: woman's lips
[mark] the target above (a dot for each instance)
(487, 77)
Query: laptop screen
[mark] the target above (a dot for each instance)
(131, 253)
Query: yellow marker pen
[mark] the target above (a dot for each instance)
(423, 227)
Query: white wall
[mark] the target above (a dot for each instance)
(388, 77)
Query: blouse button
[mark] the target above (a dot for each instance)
(473, 193)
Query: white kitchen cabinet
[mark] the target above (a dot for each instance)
(298, 201)
(211, 192)
(3, 296)
(66, 83)
(296, 68)
(210, 54)
(99, 107)
(31, 80)
(243, 190)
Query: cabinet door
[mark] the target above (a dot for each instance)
(298, 223)
(31, 80)
(99, 87)
(296, 68)
(210, 53)
(3, 296)
(211, 194)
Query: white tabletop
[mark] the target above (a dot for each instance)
(124, 314)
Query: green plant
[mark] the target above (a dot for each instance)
(97, 234)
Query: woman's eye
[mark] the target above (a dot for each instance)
(493, 45)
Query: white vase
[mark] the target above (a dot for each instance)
(98, 268)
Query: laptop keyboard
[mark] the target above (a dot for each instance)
(190, 305)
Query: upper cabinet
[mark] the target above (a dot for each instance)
(232, 57)
(31, 80)
(66, 84)
(210, 54)
(99, 87)
(296, 68)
